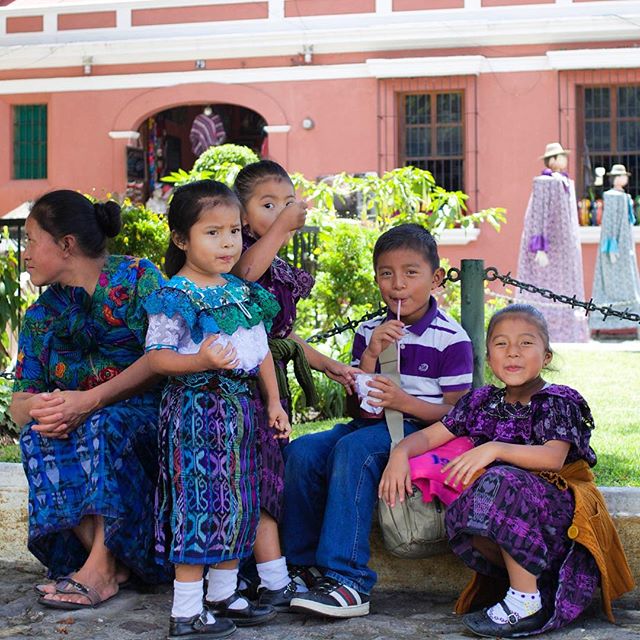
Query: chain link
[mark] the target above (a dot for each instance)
(491, 274)
(7, 375)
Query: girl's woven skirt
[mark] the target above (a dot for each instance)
(207, 501)
(528, 517)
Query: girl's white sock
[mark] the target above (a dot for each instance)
(524, 604)
(187, 600)
(274, 574)
(222, 584)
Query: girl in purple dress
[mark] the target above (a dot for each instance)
(514, 522)
(271, 215)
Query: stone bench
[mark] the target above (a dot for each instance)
(442, 575)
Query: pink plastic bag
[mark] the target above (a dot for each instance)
(425, 470)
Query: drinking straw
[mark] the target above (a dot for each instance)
(398, 343)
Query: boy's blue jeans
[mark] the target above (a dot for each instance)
(331, 490)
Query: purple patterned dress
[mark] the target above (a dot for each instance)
(551, 225)
(518, 510)
(288, 284)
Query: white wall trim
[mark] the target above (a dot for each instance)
(97, 7)
(153, 80)
(397, 31)
(591, 235)
(620, 58)
(384, 7)
(428, 66)
(276, 128)
(276, 9)
(124, 135)
(458, 236)
(372, 68)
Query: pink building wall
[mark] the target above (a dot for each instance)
(515, 113)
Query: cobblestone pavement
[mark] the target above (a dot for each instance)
(395, 615)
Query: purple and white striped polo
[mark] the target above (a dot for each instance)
(435, 354)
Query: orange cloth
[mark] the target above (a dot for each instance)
(592, 527)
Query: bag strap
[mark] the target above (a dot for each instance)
(388, 360)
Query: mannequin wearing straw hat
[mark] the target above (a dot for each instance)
(550, 253)
(616, 280)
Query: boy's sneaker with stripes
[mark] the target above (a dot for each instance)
(305, 577)
(331, 598)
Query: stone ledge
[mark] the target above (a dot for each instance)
(443, 575)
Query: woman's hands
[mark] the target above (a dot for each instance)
(60, 412)
(396, 478)
(278, 420)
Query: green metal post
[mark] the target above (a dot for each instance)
(472, 312)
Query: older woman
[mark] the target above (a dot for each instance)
(89, 404)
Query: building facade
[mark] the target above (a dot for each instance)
(102, 96)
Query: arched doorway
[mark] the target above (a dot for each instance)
(173, 138)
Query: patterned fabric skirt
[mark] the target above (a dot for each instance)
(108, 466)
(271, 460)
(207, 500)
(528, 517)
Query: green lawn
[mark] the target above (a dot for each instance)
(608, 379)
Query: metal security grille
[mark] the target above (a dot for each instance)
(431, 123)
(611, 130)
(29, 141)
(432, 135)
(600, 122)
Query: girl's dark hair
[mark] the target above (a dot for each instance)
(408, 236)
(187, 203)
(68, 213)
(530, 313)
(254, 173)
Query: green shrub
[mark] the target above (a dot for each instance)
(144, 234)
(225, 153)
(14, 298)
(9, 430)
(222, 163)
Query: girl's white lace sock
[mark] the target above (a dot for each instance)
(524, 604)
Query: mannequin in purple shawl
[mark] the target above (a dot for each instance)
(550, 252)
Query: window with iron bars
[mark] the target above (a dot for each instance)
(609, 125)
(29, 141)
(431, 135)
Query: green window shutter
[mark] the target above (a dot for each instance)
(29, 141)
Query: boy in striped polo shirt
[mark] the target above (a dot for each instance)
(331, 478)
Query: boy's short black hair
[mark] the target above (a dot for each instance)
(408, 236)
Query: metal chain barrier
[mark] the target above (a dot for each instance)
(491, 274)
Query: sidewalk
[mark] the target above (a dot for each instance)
(395, 616)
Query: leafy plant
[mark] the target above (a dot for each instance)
(409, 194)
(144, 233)
(14, 298)
(225, 153)
(222, 163)
(9, 431)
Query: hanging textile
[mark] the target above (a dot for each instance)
(206, 131)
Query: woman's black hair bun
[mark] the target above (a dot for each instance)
(108, 216)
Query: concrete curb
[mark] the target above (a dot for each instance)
(442, 575)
